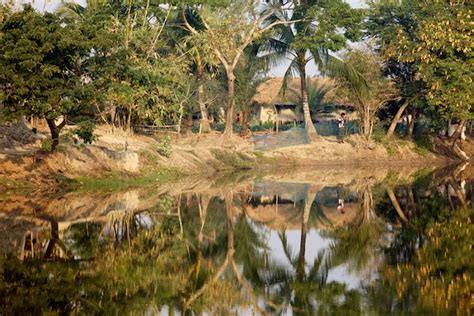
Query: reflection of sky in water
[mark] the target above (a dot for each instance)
(314, 244)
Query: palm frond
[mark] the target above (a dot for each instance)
(340, 69)
(71, 10)
(317, 215)
(319, 270)
(287, 248)
(290, 71)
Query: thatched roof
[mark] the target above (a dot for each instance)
(268, 92)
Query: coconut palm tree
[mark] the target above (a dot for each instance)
(315, 30)
(317, 95)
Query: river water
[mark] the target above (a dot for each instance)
(362, 241)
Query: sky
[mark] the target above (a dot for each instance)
(50, 5)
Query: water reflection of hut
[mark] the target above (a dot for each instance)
(280, 205)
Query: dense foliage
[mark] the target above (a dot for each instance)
(134, 63)
(41, 61)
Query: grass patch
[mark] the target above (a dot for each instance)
(9, 187)
(390, 146)
(117, 182)
(150, 157)
(423, 145)
(233, 160)
(351, 142)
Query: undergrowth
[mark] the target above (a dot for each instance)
(119, 181)
(234, 160)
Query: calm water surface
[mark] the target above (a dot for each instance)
(363, 241)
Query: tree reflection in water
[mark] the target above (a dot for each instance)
(209, 252)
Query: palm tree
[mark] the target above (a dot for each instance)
(197, 55)
(317, 94)
(249, 74)
(304, 290)
(304, 40)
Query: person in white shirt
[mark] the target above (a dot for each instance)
(341, 122)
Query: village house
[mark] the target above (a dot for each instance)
(271, 105)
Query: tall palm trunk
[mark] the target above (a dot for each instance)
(310, 129)
(309, 199)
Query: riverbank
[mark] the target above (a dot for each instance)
(118, 161)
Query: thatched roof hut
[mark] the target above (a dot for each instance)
(274, 105)
(268, 92)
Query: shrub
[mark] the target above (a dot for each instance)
(378, 132)
(262, 127)
(46, 144)
(85, 131)
(164, 148)
(423, 145)
(221, 126)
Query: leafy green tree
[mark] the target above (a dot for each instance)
(139, 79)
(227, 32)
(312, 31)
(438, 43)
(444, 47)
(203, 64)
(365, 87)
(385, 19)
(41, 62)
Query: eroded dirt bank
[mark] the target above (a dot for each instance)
(138, 156)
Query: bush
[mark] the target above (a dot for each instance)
(164, 148)
(378, 132)
(221, 126)
(423, 145)
(85, 131)
(262, 127)
(46, 144)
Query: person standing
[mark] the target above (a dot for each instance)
(341, 122)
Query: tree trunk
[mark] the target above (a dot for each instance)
(230, 103)
(310, 129)
(244, 119)
(309, 199)
(367, 204)
(366, 122)
(205, 126)
(55, 129)
(396, 118)
(457, 132)
(411, 125)
(129, 121)
(396, 205)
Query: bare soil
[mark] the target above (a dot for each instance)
(115, 152)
